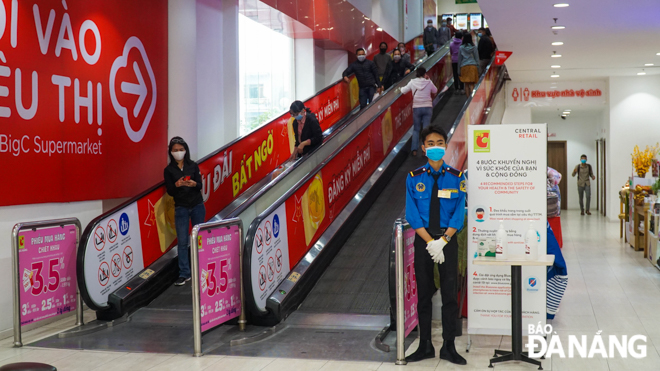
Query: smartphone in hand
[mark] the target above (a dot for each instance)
(186, 178)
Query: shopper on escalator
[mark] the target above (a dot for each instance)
(306, 129)
(429, 38)
(405, 56)
(366, 74)
(423, 90)
(444, 35)
(183, 182)
(382, 59)
(468, 64)
(454, 48)
(486, 49)
(396, 70)
(451, 27)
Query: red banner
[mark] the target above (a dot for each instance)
(83, 98)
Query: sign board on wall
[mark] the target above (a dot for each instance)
(83, 98)
(507, 181)
(560, 94)
(475, 21)
(461, 21)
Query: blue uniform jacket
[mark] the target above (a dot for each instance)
(418, 197)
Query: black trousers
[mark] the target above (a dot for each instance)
(426, 288)
(366, 95)
(458, 85)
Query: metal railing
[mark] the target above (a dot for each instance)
(16, 246)
(196, 277)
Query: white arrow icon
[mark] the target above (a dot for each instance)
(139, 89)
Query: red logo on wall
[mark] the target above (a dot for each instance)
(85, 86)
(501, 57)
(515, 94)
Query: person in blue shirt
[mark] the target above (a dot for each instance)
(435, 209)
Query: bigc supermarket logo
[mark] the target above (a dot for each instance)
(482, 141)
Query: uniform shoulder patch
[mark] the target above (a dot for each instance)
(419, 171)
(454, 172)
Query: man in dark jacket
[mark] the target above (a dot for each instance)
(485, 48)
(430, 35)
(382, 59)
(366, 74)
(396, 70)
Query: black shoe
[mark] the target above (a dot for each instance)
(424, 351)
(181, 281)
(448, 353)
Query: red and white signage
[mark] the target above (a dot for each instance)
(559, 94)
(501, 57)
(83, 98)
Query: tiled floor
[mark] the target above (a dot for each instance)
(611, 288)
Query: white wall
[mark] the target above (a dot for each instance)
(216, 68)
(385, 13)
(580, 131)
(517, 116)
(415, 19)
(450, 6)
(336, 61)
(634, 112)
(305, 52)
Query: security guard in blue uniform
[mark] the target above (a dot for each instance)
(435, 209)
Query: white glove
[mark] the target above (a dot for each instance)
(435, 250)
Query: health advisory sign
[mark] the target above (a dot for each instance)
(47, 272)
(507, 182)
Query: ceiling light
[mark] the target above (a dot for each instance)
(557, 43)
(555, 66)
(649, 64)
(556, 56)
(657, 53)
(641, 73)
(379, 29)
(554, 75)
(566, 113)
(567, 110)
(561, 5)
(558, 27)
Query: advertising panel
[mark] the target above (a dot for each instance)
(47, 272)
(507, 182)
(410, 300)
(314, 205)
(220, 275)
(559, 94)
(462, 21)
(226, 174)
(84, 98)
(475, 21)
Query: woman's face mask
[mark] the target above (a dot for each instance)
(178, 155)
(397, 58)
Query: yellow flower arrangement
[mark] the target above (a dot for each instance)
(642, 161)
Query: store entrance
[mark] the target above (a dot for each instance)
(557, 160)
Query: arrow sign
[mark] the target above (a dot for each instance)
(139, 89)
(500, 57)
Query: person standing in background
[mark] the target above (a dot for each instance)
(382, 59)
(183, 182)
(396, 70)
(468, 64)
(366, 74)
(489, 34)
(405, 56)
(454, 48)
(451, 27)
(584, 172)
(429, 38)
(422, 89)
(444, 35)
(486, 49)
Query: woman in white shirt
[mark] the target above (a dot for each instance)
(422, 89)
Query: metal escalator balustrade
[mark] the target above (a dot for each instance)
(118, 245)
(292, 226)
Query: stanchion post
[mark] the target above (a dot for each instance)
(242, 321)
(197, 316)
(18, 342)
(79, 301)
(400, 295)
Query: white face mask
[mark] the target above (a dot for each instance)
(178, 155)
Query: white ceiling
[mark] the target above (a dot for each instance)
(602, 37)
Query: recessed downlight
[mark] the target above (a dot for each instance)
(641, 73)
(561, 5)
(556, 56)
(379, 29)
(557, 43)
(649, 64)
(558, 27)
(555, 66)
(554, 76)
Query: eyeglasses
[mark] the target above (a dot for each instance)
(177, 140)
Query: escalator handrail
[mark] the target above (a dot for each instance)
(440, 54)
